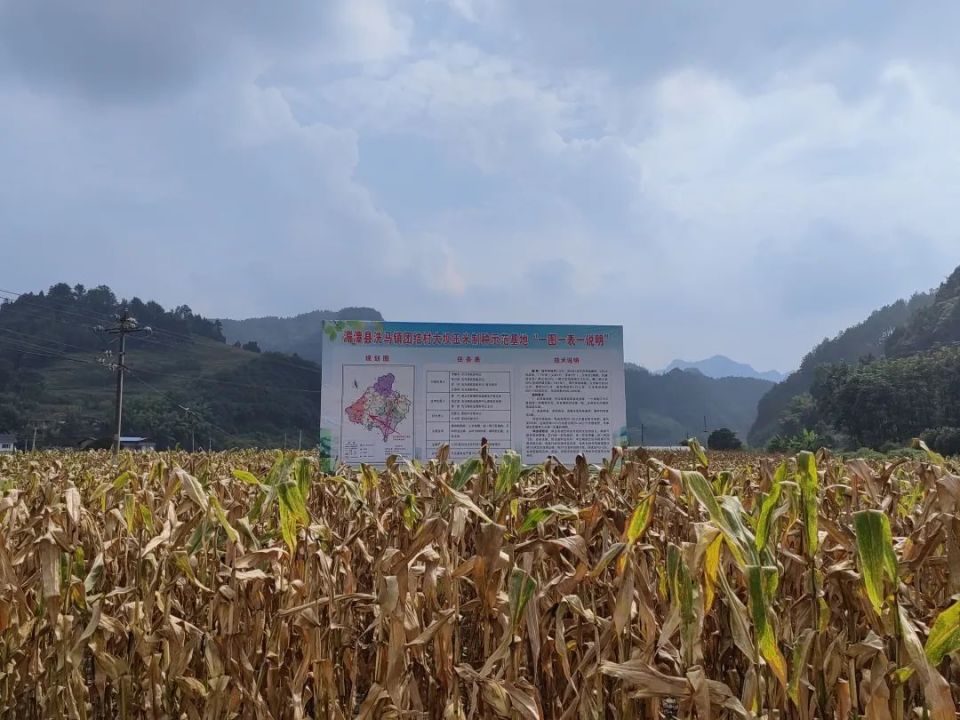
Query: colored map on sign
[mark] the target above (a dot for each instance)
(380, 408)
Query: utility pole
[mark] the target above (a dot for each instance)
(126, 325)
(641, 435)
(300, 440)
(34, 446)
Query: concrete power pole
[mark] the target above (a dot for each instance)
(126, 325)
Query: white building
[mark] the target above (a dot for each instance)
(8, 442)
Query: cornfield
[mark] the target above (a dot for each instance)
(252, 585)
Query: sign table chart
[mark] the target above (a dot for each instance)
(466, 406)
(408, 389)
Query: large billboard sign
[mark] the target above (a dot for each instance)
(396, 388)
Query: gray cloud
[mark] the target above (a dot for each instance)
(718, 178)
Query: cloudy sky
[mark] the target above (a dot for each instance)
(717, 177)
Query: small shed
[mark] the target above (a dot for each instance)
(137, 444)
(8, 443)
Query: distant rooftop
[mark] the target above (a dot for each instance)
(131, 439)
(8, 438)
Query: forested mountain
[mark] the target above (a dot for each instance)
(301, 334)
(779, 409)
(185, 384)
(914, 391)
(935, 325)
(672, 406)
(888, 402)
(720, 366)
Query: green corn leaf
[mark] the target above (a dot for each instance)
(411, 513)
(222, 519)
(697, 450)
(146, 517)
(510, 468)
(245, 477)
(758, 583)
(539, 515)
(93, 575)
(682, 584)
(465, 471)
(522, 587)
(673, 563)
(290, 498)
(878, 563)
(301, 473)
(739, 621)
(798, 664)
(193, 488)
(640, 519)
(769, 504)
(723, 483)
(809, 483)
(122, 480)
(727, 517)
(944, 638)
(130, 511)
(683, 592)
(288, 528)
(933, 457)
(612, 553)
(698, 485)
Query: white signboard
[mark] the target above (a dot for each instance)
(407, 388)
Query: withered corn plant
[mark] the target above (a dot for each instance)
(251, 585)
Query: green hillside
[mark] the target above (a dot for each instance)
(935, 325)
(301, 334)
(863, 340)
(186, 385)
(914, 390)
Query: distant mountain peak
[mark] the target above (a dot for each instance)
(720, 366)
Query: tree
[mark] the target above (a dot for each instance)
(252, 346)
(724, 439)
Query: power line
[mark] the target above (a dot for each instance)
(44, 351)
(169, 396)
(214, 381)
(31, 348)
(34, 339)
(49, 305)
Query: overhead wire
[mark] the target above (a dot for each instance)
(170, 397)
(34, 339)
(27, 349)
(211, 380)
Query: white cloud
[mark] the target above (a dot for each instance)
(369, 31)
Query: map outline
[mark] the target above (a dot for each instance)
(380, 370)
